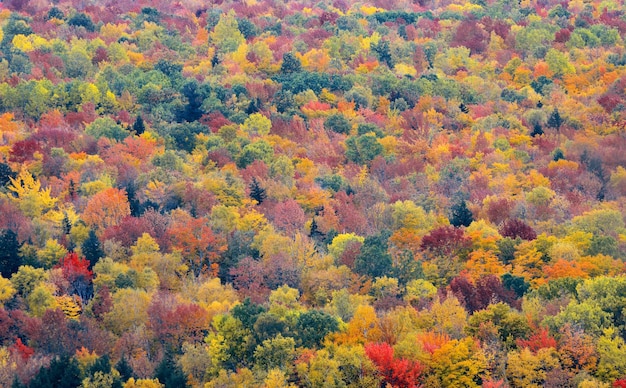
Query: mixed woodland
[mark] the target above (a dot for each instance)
(342, 193)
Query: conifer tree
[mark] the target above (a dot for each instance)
(461, 215)
(257, 192)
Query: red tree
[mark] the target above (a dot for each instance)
(539, 340)
(400, 373)
(445, 241)
(517, 228)
(76, 272)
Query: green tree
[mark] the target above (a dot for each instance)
(257, 124)
(312, 326)
(10, 258)
(460, 215)
(276, 353)
(612, 352)
(106, 127)
(62, 373)
(226, 35)
(291, 64)
(257, 192)
(82, 20)
(363, 149)
(555, 120)
(374, 260)
(259, 150)
(138, 126)
(337, 123)
(170, 373)
(92, 249)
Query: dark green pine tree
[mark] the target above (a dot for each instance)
(537, 130)
(555, 120)
(291, 64)
(92, 249)
(10, 259)
(461, 215)
(124, 368)
(67, 224)
(315, 233)
(139, 127)
(62, 373)
(257, 192)
(170, 374)
(5, 174)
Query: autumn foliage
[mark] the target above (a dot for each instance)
(343, 193)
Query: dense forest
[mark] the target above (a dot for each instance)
(342, 193)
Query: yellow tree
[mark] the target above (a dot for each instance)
(30, 197)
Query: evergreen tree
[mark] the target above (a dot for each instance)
(315, 233)
(558, 155)
(62, 373)
(10, 259)
(67, 224)
(5, 174)
(291, 64)
(537, 130)
(257, 192)
(170, 373)
(383, 50)
(92, 249)
(555, 120)
(139, 127)
(461, 215)
(124, 369)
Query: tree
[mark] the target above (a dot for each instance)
(383, 51)
(198, 244)
(107, 208)
(470, 35)
(312, 326)
(31, 198)
(5, 174)
(106, 127)
(517, 228)
(257, 192)
(63, 372)
(445, 241)
(82, 20)
(290, 64)
(76, 272)
(337, 123)
(460, 215)
(374, 260)
(10, 259)
(394, 372)
(278, 352)
(226, 35)
(458, 363)
(289, 217)
(170, 374)
(257, 124)
(92, 249)
(526, 369)
(363, 149)
(138, 126)
(555, 121)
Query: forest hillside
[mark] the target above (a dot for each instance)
(342, 193)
